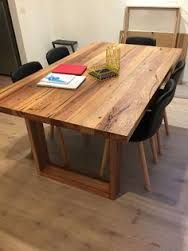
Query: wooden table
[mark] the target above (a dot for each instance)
(112, 108)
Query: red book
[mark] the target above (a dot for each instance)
(70, 69)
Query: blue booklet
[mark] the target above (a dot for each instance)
(62, 81)
(58, 78)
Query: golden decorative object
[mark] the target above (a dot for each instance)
(113, 58)
(111, 67)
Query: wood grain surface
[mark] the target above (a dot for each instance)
(113, 107)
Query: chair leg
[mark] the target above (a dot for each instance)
(159, 142)
(166, 123)
(52, 129)
(144, 166)
(104, 157)
(65, 153)
(153, 148)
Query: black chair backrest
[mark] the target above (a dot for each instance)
(158, 107)
(56, 54)
(25, 70)
(141, 41)
(176, 75)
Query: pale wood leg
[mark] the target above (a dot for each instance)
(105, 156)
(52, 129)
(166, 123)
(114, 149)
(65, 153)
(38, 143)
(156, 144)
(159, 142)
(153, 148)
(144, 166)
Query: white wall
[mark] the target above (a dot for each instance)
(18, 31)
(42, 21)
(184, 23)
(33, 18)
(87, 21)
(167, 19)
(184, 28)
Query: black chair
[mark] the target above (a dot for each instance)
(149, 126)
(25, 70)
(141, 41)
(176, 75)
(56, 54)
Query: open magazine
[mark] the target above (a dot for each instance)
(62, 81)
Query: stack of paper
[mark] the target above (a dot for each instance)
(62, 81)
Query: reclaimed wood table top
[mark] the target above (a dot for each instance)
(113, 106)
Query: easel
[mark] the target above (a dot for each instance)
(124, 34)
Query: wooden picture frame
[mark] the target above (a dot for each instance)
(124, 35)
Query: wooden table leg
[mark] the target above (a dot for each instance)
(47, 169)
(104, 157)
(38, 143)
(52, 129)
(114, 168)
(64, 149)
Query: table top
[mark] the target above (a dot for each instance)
(113, 106)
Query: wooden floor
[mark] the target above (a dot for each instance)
(37, 214)
(182, 91)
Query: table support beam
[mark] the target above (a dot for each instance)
(38, 143)
(46, 168)
(114, 168)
